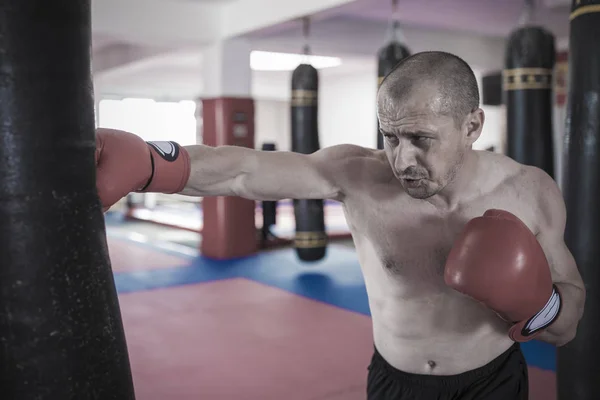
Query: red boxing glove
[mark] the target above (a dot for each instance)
(498, 261)
(125, 163)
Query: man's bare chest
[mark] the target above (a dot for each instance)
(414, 245)
(412, 239)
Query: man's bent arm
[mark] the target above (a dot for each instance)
(565, 274)
(265, 175)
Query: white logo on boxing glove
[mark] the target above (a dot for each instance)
(169, 151)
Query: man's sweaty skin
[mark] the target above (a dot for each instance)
(405, 206)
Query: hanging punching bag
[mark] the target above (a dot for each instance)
(577, 362)
(311, 240)
(387, 58)
(61, 334)
(527, 77)
(269, 208)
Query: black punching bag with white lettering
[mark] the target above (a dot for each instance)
(311, 239)
(61, 334)
(530, 56)
(578, 368)
(387, 58)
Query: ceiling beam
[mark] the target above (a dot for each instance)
(156, 22)
(245, 16)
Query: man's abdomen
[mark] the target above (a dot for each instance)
(445, 335)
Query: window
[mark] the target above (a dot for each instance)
(150, 119)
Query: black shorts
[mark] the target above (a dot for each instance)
(504, 378)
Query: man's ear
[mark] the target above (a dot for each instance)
(474, 125)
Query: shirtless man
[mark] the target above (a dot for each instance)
(451, 293)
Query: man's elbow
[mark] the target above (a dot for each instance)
(565, 338)
(579, 300)
(568, 334)
(558, 337)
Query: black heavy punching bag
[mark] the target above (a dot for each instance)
(61, 334)
(269, 208)
(311, 239)
(578, 369)
(530, 56)
(389, 56)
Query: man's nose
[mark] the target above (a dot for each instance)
(405, 158)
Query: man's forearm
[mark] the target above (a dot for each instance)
(215, 170)
(262, 175)
(564, 328)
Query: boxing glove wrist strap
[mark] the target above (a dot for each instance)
(170, 164)
(546, 316)
(143, 189)
(527, 330)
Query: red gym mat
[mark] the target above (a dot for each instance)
(128, 257)
(239, 339)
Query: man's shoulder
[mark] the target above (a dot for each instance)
(352, 158)
(547, 193)
(499, 163)
(344, 151)
(537, 181)
(536, 188)
(355, 166)
(498, 172)
(511, 172)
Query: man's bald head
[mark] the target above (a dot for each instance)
(453, 80)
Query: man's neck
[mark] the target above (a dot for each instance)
(459, 188)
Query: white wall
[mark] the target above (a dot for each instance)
(494, 129)
(150, 119)
(347, 110)
(272, 123)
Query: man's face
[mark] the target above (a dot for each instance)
(425, 148)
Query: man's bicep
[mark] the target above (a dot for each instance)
(280, 175)
(324, 174)
(561, 261)
(553, 218)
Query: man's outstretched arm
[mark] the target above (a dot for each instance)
(125, 163)
(263, 175)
